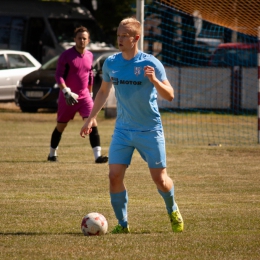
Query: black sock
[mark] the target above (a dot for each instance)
(55, 138)
(94, 138)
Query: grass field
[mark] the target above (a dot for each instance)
(196, 128)
(42, 203)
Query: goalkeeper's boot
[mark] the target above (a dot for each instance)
(120, 230)
(176, 220)
(101, 159)
(52, 158)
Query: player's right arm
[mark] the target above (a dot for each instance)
(99, 102)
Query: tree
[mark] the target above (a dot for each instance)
(110, 13)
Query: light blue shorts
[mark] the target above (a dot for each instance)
(150, 145)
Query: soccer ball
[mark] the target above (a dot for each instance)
(94, 224)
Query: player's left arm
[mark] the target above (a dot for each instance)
(164, 87)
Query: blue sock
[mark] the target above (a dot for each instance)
(119, 203)
(169, 200)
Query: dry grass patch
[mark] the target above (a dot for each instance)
(42, 203)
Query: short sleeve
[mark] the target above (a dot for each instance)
(105, 71)
(160, 70)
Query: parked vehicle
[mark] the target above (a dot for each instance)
(209, 44)
(13, 66)
(45, 28)
(39, 89)
(234, 54)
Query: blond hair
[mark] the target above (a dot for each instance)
(134, 25)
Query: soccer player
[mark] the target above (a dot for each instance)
(137, 78)
(75, 78)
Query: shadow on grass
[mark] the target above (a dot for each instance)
(37, 233)
(142, 232)
(18, 162)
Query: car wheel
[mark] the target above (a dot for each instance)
(29, 109)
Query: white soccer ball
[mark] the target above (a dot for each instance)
(94, 224)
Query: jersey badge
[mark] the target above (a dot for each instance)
(137, 71)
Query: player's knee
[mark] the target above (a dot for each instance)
(114, 178)
(159, 181)
(162, 181)
(61, 127)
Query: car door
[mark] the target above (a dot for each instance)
(5, 79)
(19, 66)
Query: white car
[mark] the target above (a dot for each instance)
(14, 65)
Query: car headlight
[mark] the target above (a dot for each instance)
(19, 84)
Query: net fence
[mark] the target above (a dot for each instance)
(241, 16)
(210, 56)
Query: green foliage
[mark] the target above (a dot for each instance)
(110, 13)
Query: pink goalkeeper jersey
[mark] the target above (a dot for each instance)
(74, 69)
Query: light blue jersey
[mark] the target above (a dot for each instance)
(137, 108)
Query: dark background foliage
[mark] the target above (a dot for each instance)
(109, 13)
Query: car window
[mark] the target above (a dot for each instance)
(18, 61)
(51, 64)
(218, 58)
(247, 57)
(235, 57)
(28, 62)
(98, 66)
(3, 63)
(102, 60)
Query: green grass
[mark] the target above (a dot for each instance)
(205, 128)
(42, 203)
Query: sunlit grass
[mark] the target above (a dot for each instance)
(42, 203)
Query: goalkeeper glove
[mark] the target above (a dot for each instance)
(71, 98)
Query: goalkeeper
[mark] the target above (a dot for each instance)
(137, 78)
(75, 78)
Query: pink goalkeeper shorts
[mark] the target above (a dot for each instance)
(67, 113)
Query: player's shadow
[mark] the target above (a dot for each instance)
(143, 232)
